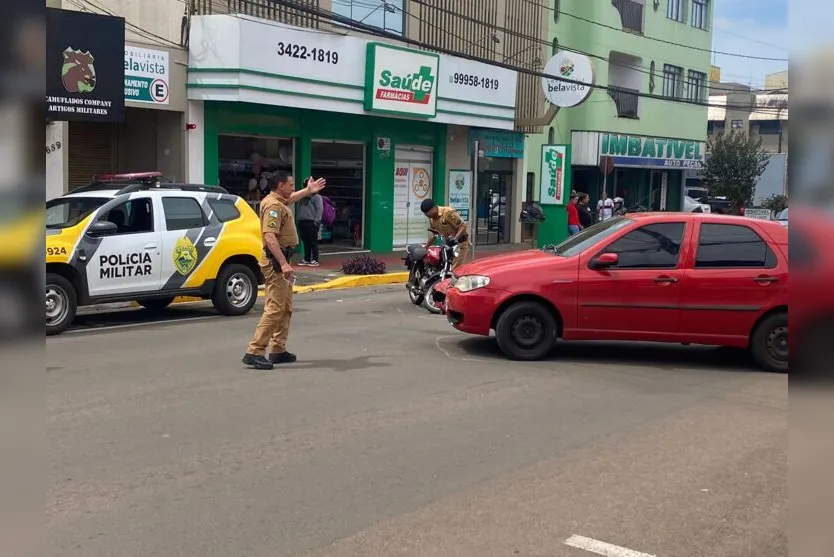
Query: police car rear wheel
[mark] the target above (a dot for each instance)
(236, 290)
(61, 304)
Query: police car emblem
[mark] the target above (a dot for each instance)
(185, 256)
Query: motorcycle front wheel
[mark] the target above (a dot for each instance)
(413, 286)
(428, 302)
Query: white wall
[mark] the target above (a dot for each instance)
(195, 144)
(57, 161)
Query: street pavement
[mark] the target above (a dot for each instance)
(396, 436)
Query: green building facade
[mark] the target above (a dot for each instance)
(644, 56)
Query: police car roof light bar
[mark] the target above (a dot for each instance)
(172, 186)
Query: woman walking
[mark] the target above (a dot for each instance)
(309, 221)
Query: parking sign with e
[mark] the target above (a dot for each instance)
(146, 75)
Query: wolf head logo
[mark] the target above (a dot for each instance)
(78, 72)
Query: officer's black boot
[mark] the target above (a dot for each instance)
(257, 362)
(282, 358)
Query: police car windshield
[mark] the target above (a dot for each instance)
(589, 237)
(65, 212)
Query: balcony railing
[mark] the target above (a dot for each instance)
(264, 9)
(626, 100)
(631, 14)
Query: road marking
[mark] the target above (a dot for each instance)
(458, 358)
(602, 548)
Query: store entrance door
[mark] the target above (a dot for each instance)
(342, 164)
(491, 226)
(412, 184)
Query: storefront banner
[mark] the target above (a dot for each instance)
(497, 144)
(654, 152)
(84, 67)
(555, 175)
(401, 81)
(474, 82)
(460, 193)
(147, 75)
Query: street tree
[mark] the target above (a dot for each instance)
(776, 202)
(734, 165)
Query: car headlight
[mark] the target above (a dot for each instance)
(469, 283)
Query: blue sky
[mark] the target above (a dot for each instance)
(752, 27)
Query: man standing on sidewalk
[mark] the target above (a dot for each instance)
(280, 241)
(309, 213)
(574, 225)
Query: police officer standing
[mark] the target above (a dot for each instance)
(280, 241)
(448, 223)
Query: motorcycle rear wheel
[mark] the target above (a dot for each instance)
(412, 286)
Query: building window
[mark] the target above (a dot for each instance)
(556, 11)
(551, 136)
(697, 88)
(699, 13)
(770, 127)
(676, 10)
(388, 15)
(555, 46)
(672, 81)
(737, 124)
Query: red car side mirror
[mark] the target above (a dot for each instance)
(605, 261)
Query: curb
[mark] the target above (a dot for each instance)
(341, 283)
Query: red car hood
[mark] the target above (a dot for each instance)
(505, 262)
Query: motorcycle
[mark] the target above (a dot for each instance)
(427, 268)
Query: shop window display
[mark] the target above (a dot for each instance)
(247, 163)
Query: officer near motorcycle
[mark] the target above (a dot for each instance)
(280, 240)
(449, 224)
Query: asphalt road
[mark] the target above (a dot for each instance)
(395, 435)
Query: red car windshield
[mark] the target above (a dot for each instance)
(589, 237)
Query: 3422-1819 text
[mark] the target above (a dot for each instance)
(302, 52)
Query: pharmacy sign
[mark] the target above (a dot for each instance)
(401, 81)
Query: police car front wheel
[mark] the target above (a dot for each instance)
(61, 303)
(236, 290)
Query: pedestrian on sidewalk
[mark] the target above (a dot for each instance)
(448, 223)
(309, 213)
(574, 226)
(280, 241)
(586, 219)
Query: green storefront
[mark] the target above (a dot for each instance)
(648, 172)
(381, 123)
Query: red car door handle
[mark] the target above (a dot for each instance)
(665, 280)
(764, 279)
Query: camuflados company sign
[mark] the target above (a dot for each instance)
(401, 81)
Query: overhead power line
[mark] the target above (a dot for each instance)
(531, 38)
(663, 41)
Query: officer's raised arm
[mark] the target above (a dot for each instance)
(313, 187)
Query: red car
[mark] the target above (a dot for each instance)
(662, 277)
